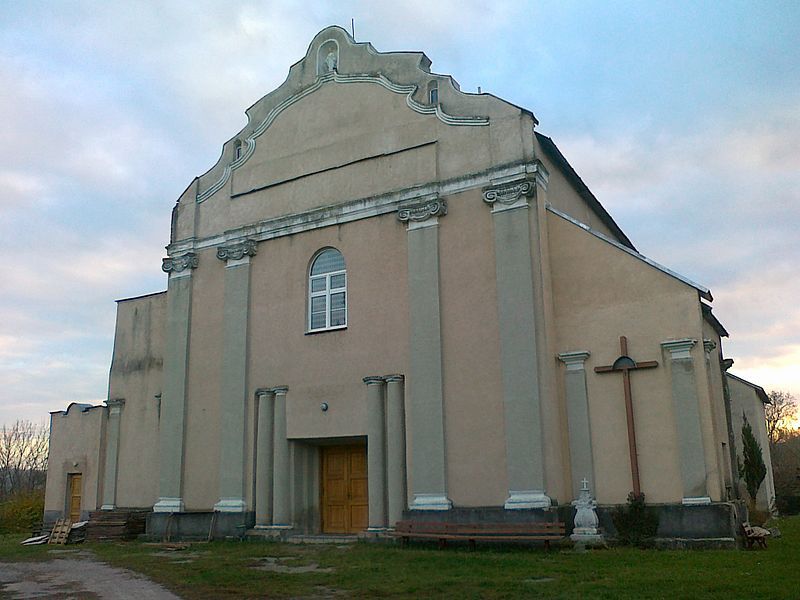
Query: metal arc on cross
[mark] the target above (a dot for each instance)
(625, 364)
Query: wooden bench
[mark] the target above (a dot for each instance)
(754, 536)
(474, 532)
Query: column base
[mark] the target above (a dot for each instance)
(232, 505)
(696, 501)
(431, 502)
(518, 500)
(168, 505)
(107, 507)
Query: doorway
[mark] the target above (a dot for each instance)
(74, 496)
(345, 505)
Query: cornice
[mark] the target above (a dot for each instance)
(354, 210)
(177, 264)
(238, 250)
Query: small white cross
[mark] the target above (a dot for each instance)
(584, 484)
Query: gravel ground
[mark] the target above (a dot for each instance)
(80, 577)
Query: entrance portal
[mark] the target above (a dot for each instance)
(74, 497)
(345, 505)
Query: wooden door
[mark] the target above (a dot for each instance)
(74, 500)
(345, 504)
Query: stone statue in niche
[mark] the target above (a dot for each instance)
(330, 62)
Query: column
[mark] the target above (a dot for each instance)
(518, 352)
(687, 421)
(264, 458)
(281, 492)
(376, 469)
(395, 449)
(112, 454)
(171, 428)
(428, 479)
(580, 435)
(233, 399)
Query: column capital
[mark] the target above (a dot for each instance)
(263, 392)
(178, 264)
(422, 212)
(394, 378)
(280, 390)
(373, 380)
(679, 349)
(574, 360)
(505, 195)
(238, 251)
(708, 346)
(115, 405)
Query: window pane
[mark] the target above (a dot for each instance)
(337, 317)
(329, 260)
(318, 284)
(318, 321)
(318, 304)
(337, 281)
(337, 301)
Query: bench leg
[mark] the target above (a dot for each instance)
(403, 542)
(547, 545)
(472, 544)
(442, 544)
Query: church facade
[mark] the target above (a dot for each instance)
(392, 299)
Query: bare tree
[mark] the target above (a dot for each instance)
(23, 458)
(780, 413)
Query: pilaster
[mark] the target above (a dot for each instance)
(428, 475)
(376, 455)
(516, 309)
(578, 423)
(172, 423)
(233, 400)
(112, 454)
(687, 421)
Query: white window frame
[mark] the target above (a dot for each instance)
(327, 292)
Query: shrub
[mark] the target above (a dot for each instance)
(21, 512)
(635, 522)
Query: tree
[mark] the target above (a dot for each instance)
(751, 467)
(780, 413)
(23, 458)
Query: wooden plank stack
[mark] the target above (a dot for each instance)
(105, 525)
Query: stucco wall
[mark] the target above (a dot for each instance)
(601, 293)
(136, 377)
(745, 401)
(77, 438)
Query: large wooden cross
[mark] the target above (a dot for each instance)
(625, 364)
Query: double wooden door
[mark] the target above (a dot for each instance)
(345, 505)
(74, 496)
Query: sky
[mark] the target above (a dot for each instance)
(682, 118)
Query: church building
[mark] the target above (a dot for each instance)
(390, 299)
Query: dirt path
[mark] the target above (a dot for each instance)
(80, 576)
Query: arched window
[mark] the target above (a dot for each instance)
(327, 291)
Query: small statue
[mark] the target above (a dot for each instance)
(330, 62)
(585, 531)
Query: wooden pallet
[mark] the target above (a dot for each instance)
(60, 532)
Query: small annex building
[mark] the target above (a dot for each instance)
(393, 299)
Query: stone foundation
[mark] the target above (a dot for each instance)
(199, 525)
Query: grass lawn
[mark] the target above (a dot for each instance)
(363, 570)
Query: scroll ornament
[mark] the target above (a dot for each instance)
(508, 193)
(176, 264)
(422, 211)
(237, 251)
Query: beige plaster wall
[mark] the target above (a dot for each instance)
(77, 438)
(600, 293)
(715, 374)
(563, 196)
(136, 377)
(745, 401)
